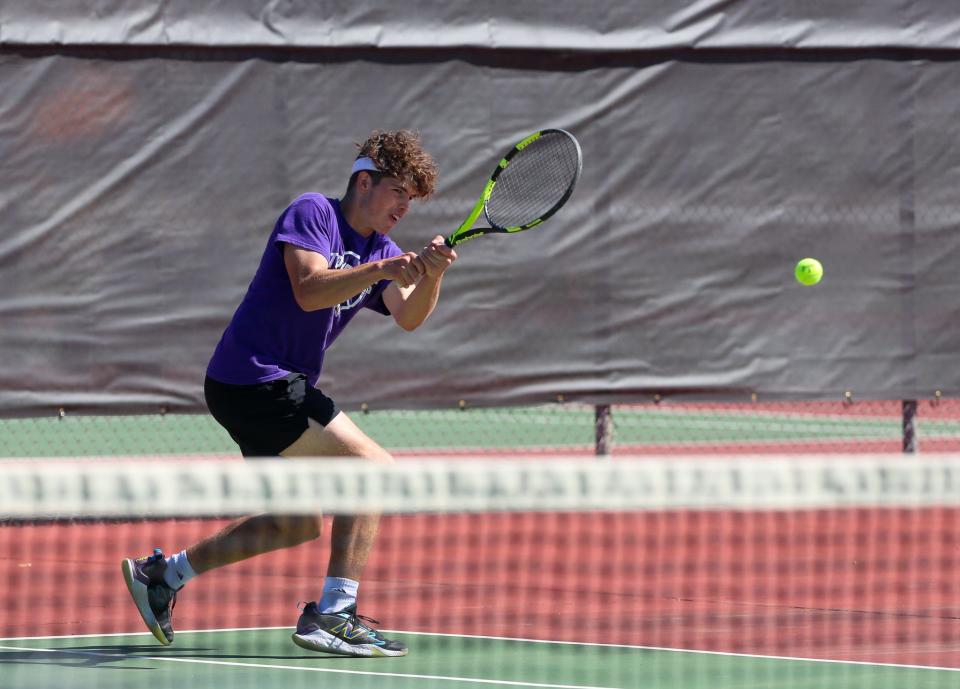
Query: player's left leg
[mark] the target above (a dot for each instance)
(332, 624)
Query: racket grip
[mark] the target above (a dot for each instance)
(446, 240)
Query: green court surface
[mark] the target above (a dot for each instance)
(559, 428)
(267, 658)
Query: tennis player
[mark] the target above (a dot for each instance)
(324, 261)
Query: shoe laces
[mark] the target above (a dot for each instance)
(351, 614)
(365, 618)
(157, 557)
(354, 618)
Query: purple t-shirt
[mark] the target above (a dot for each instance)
(270, 336)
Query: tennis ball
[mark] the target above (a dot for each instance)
(808, 271)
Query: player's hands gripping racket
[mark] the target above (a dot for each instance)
(531, 183)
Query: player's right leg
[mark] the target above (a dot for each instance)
(153, 580)
(264, 420)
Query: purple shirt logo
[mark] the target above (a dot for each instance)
(348, 259)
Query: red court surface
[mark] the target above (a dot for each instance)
(876, 585)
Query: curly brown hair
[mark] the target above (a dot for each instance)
(400, 154)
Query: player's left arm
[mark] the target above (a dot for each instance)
(411, 306)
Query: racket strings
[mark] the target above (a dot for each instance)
(537, 179)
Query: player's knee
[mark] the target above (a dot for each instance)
(371, 451)
(383, 456)
(295, 529)
(376, 454)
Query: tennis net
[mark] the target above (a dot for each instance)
(549, 572)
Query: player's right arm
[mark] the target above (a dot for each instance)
(317, 286)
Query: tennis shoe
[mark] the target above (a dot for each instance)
(343, 633)
(152, 595)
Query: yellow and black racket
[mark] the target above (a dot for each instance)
(531, 183)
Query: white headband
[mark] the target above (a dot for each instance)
(364, 163)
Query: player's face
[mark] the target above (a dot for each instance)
(387, 203)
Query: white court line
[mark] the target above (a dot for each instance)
(665, 649)
(300, 668)
(689, 650)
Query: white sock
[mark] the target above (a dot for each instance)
(179, 571)
(338, 594)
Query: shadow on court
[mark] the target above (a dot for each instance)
(113, 656)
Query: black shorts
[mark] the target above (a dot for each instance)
(266, 418)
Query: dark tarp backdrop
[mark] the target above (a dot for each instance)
(147, 149)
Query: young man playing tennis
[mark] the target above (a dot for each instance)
(325, 260)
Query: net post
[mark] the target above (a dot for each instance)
(603, 425)
(909, 426)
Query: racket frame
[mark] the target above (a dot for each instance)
(466, 231)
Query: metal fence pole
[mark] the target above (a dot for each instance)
(603, 425)
(909, 426)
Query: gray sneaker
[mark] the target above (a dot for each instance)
(343, 633)
(151, 594)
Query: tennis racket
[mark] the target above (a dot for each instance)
(531, 183)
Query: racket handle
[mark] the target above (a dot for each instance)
(446, 240)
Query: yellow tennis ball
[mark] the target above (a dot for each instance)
(808, 271)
